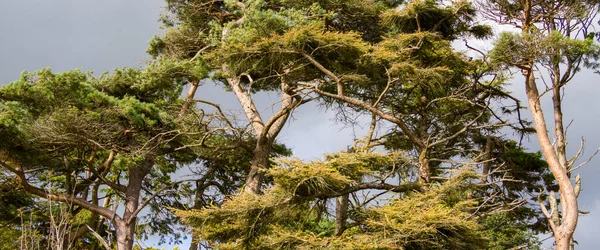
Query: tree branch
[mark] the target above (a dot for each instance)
(338, 81)
(17, 170)
(378, 112)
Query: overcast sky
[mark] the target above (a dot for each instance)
(103, 35)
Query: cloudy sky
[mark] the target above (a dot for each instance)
(102, 35)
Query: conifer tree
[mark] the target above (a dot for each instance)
(104, 147)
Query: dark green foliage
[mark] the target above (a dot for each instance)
(504, 232)
(63, 126)
(451, 22)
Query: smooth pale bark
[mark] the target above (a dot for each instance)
(189, 99)
(564, 232)
(265, 132)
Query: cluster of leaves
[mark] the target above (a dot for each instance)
(554, 48)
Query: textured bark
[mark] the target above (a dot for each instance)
(424, 173)
(125, 226)
(341, 213)
(259, 163)
(125, 232)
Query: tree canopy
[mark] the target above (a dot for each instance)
(137, 152)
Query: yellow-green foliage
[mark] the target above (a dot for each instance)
(286, 217)
(430, 220)
(332, 175)
(242, 218)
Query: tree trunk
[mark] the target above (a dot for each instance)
(424, 174)
(125, 234)
(563, 233)
(341, 213)
(199, 203)
(487, 164)
(195, 241)
(260, 162)
(189, 99)
(126, 227)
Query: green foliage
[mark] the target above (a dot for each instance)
(162, 80)
(18, 207)
(435, 219)
(399, 59)
(328, 177)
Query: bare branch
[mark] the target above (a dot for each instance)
(405, 129)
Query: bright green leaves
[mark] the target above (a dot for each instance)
(58, 113)
(43, 90)
(329, 177)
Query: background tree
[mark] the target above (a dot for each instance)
(19, 208)
(83, 141)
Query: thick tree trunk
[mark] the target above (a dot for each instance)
(125, 232)
(265, 132)
(125, 227)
